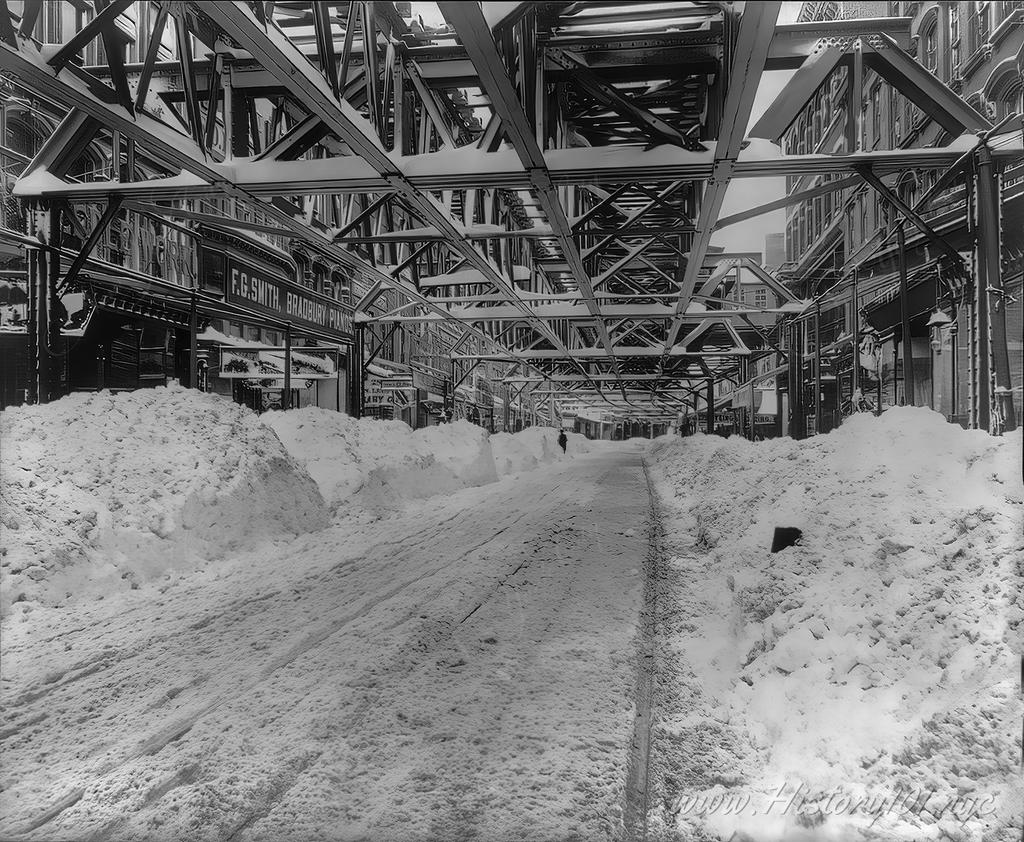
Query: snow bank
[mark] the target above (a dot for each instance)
(376, 465)
(878, 659)
(102, 491)
(525, 450)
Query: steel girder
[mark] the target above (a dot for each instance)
(310, 87)
(750, 52)
(469, 22)
(614, 173)
(62, 86)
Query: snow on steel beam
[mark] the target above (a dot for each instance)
(271, 47)
(600, 353)
(472, 28)
(579, 312)
(502, 169)
(757, 24)
(28, 65)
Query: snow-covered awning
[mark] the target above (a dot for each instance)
(378, 371)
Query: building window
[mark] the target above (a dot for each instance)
(954, 38)
(1008, 96)
(930, 47)
(978, 26)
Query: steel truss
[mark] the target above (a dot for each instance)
(548, 181)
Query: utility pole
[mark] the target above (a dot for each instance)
(990, 294)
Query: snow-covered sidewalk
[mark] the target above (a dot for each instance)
(464, 668)
(863, 684)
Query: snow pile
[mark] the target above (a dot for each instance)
(864, 681)
(376, 465)
(525, 450)
(102, 491)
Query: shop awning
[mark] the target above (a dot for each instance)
(885, 314)
(379, 371)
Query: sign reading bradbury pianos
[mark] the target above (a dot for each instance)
(250, 287)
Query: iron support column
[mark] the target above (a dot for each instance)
(990, 291)
(286, 398)
(355, 386)
(193, 342)
(817, 370)
(797, 421)
(855, 331)
(709, 421)
(908, 352)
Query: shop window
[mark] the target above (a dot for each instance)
(212, 271)
(252, 333)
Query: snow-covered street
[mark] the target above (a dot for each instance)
(307, 626)
(464, 670)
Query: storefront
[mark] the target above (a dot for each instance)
(282, 319)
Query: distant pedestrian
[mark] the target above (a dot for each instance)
(563, 440)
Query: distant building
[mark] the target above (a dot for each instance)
(774, 250)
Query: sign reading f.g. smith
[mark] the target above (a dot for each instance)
(251, 287)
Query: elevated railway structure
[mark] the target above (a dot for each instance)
(546, 178)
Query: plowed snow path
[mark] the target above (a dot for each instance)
(463, 672)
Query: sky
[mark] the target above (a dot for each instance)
(748, 193)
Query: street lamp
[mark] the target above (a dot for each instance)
(938, 320)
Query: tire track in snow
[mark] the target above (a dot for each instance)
(557, 548)
(179, 729)
(440, 631)
(637, 796)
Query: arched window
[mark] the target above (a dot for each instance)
(907, 188)
(930, 47)
(1005, 93)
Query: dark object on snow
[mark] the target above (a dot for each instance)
(785, 536)
(562, 440)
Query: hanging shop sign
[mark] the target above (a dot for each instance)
(268, 363)
(255, 289)
(399, 383)
(374, 394)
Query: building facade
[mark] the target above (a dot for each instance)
(977, 50)
(241, 309)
